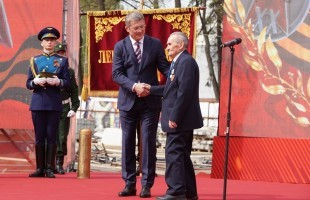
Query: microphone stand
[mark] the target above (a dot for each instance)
(232, 51)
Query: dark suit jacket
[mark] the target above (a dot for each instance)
(126, 71)
(49, 97)
(181, 96)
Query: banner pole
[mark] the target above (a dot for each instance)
(141, 4)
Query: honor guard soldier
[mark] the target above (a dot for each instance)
(70, 103)
(47, 75)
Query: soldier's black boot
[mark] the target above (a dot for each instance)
(50, 160)
(40, 161)
(59, 164)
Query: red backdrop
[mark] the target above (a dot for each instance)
(20, 22)
(271, 77)
(270, 102)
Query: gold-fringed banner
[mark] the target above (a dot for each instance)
(105, 28)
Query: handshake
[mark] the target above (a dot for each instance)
(142, 89)
(55, 81)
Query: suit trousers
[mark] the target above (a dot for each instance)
(149, 122)
(180, 174)
(45, 124)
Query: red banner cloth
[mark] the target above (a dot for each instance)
(105, 28)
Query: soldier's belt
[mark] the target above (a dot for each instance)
(66, 101)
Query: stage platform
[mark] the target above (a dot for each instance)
(106, 185)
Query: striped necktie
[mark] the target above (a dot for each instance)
(171, 67)
(138, 52)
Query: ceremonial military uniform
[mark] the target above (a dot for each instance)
(70, 102)
(47, 75)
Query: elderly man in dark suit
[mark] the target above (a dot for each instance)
(181, 114)
(47, 75)
(136, 61)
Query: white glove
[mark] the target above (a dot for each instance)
(39, 81)
(53, 81)
(71, 113)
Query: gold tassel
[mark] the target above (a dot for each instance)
(84, 94)
(32, 68)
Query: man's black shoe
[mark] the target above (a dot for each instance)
(59, 170)
(49, 173)
(128, 191)
(145, 192)
(38, 173)
(171, 197)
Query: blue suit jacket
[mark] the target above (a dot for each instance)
(126, 71)
(48, 97)
(181, 96)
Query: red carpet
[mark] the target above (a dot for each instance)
(105, 186)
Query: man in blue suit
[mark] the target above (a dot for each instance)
(136, 61)
(181, 114)
(47, 75)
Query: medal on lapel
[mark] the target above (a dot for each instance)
(172, 75)
(56, 63)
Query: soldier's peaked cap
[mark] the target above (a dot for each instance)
(48, 32)
(60, 47)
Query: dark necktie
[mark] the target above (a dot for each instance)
(171, 67)
(138, 52)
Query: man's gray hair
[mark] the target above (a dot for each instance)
(133, 16)
(181, 37)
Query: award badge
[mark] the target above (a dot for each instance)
(172, 75)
